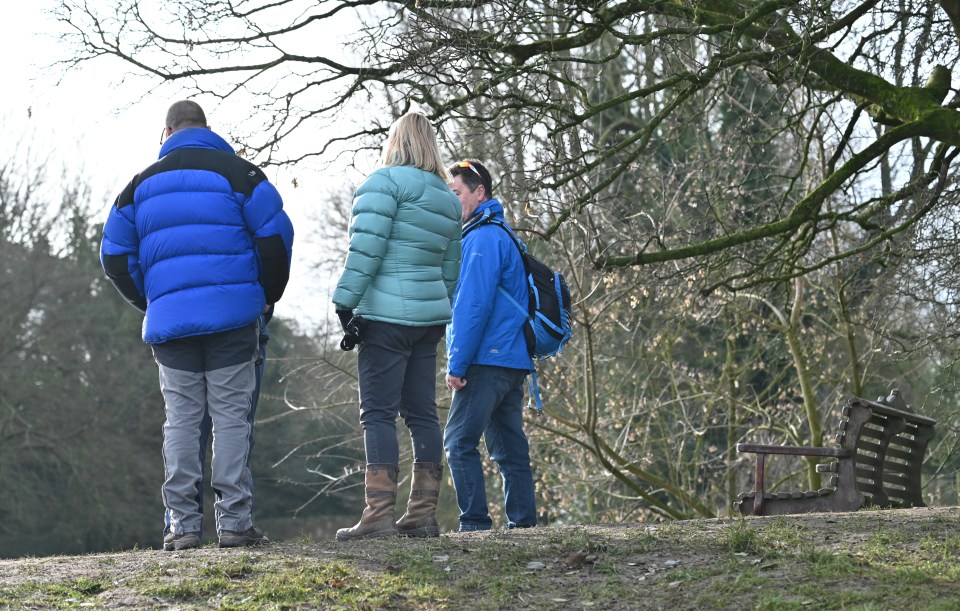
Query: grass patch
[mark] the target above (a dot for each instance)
(57, 594)
(741, 539)
(785, 535)
(869, 561)
(188, 589)
(245, 584)
(235, 568)
(826, 564)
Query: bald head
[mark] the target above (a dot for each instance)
(184, 114)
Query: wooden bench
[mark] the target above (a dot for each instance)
(878, 454)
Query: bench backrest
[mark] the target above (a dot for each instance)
(888, 448)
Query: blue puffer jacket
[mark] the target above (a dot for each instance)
(487, 329)
(404, 249)
(198, 240)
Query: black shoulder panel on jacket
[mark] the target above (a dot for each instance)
(126, 196)
(242, 175)
(274, 269)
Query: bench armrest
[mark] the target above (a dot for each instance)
(756, 448)
(761, 450)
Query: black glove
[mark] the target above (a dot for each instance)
(345, 317)
(351, 329)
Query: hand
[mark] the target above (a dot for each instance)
(455, 383)
(345, 316)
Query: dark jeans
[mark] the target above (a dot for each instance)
(206, 425)
(398, 375)
(491, 405)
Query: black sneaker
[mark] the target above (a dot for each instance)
(181, 542)
(251, 536)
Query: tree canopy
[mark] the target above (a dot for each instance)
(855, 81)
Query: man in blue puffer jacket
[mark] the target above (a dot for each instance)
(200, 243)
(488, 360)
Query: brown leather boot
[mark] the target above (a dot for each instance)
(420, 520)
(380, 483)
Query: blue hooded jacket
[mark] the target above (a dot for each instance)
(198, 241)
(486, 328)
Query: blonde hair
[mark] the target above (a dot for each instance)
(412, 141)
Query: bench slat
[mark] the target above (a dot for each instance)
(909, 416)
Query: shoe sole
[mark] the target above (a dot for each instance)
(182, 544)
(380, 534)
(420, 529)
(420, 533)
(244, 542)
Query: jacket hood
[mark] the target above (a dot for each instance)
(195, 138)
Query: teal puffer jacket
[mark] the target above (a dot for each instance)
(404, 256)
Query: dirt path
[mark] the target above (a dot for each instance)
(616, 566)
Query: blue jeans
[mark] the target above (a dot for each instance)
(206, 425)
(397, 365)
(491, 404)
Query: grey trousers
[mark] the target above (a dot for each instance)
(226, 393)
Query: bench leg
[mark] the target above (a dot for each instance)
(758, 487)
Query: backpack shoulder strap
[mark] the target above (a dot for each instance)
(482, 220)
(487, 218)
(516, 241)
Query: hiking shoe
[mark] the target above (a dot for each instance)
(181, 542)
(251, 536)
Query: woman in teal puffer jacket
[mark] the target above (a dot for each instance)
(397, 283)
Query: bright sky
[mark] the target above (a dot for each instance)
(94, 127)
(80, 115)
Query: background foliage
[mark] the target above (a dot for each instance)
(754, 203)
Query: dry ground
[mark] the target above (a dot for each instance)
(863, 560)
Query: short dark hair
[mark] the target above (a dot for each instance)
(185, 113)
(473, 174)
